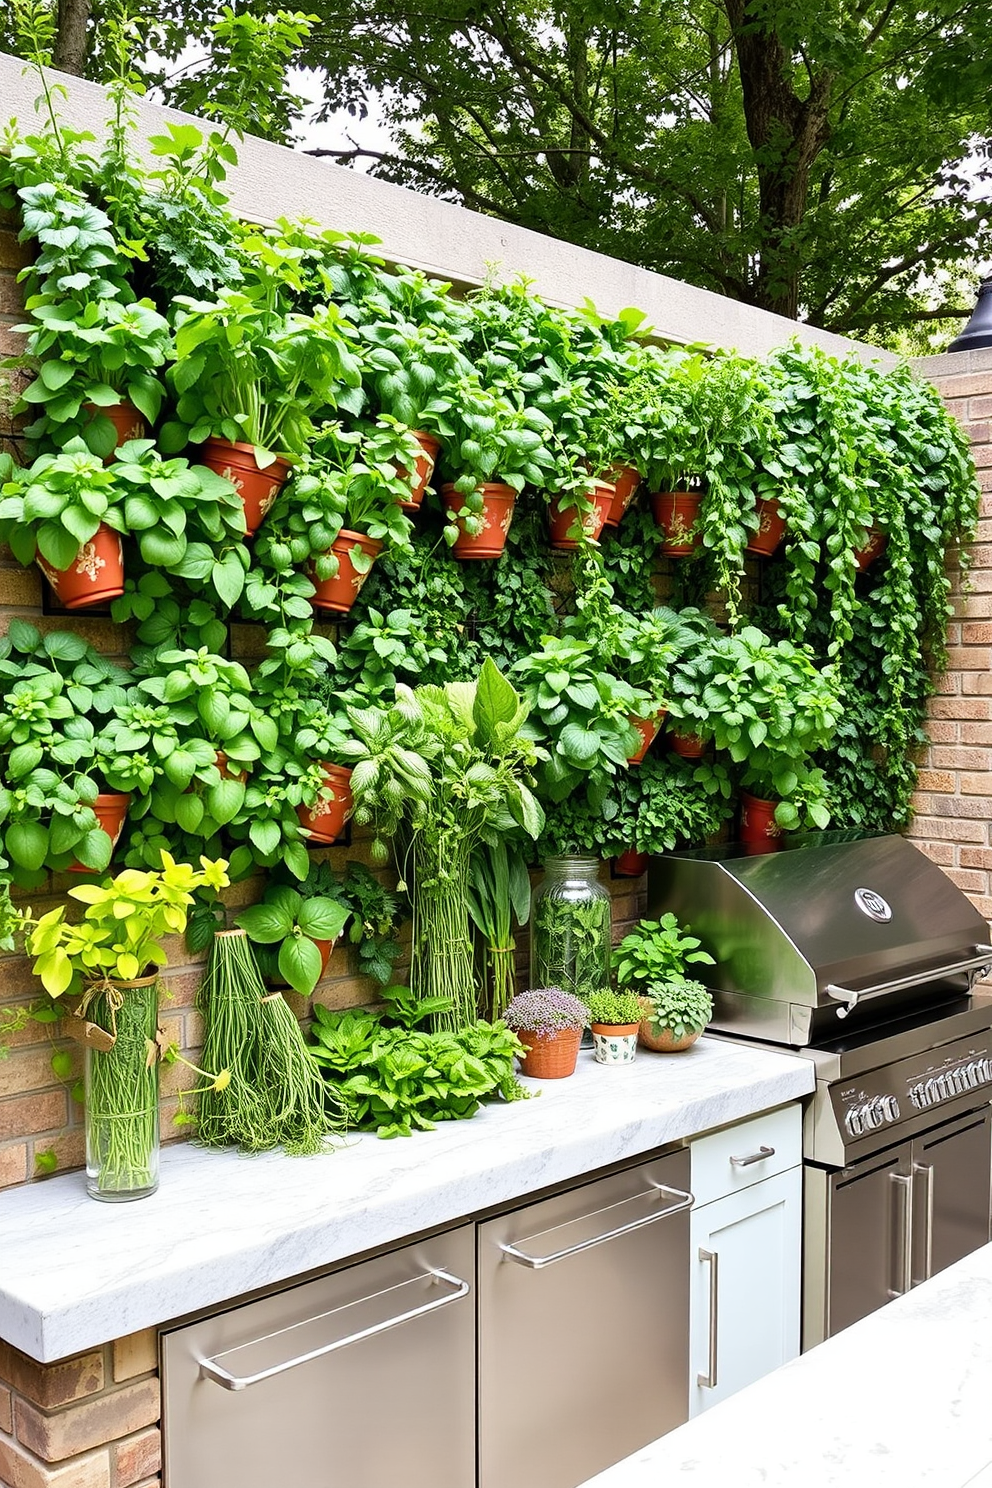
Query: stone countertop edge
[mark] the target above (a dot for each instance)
(899, 1398)
(75, 1273)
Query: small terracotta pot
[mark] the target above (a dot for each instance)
(758, 828)
(422, 471)
(550, 1058)
(563, 518)
(339, 594)
(664, 1042)
(325, 820)
(94, 577)
(771, 529)
(631, 864)
(129, 423)
(689, 746)
(875, 545)
(497, 514)
(625, 480)
(677, 514)
(325, 947)
(224, 766)
(648, 730)
(614, 1043)
(111, 814)
(258, 487)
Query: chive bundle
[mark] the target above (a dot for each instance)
(275, 1096)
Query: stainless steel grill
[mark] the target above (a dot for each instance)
(861, 955)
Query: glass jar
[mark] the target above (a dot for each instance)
(571, 922)
(122, 1132)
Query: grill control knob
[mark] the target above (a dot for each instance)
(983, 1071)
(873, 1116)
(917, 1096)
(890, 1108)
(970, 1074)
(855, 1122)
(937, 1089)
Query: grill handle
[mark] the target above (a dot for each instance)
(980, 960)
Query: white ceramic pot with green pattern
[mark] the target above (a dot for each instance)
(614, 1043)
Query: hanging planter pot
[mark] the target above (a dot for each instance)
(648, 729)
(498, 502)
(128, 423)
(550, 1056)
(759, 830)
(677, 514)
(110, 811)
(339, 593)
(423, 469)
(121, 1110)
(258, 486)
(325, 819)
(771, 529)
(688, 745)
(224, 766)
(563, 518)
(631, 864)
(625, 481)
(874, 547)
(94, 577)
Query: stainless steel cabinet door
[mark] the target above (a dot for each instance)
(867, 1247)
(951, 1170)
(583, 1327)
(362, 1379)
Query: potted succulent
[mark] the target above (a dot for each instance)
(549, 1024)
(295, 935)
(614, 1018)
(249, 381)
(673, 1015)
(110, 960)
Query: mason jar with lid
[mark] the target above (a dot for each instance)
(571, 923)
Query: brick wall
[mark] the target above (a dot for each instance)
(91, 1421)
(953, 822)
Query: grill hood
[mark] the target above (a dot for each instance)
(831, 932)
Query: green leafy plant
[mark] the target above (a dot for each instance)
(615, 1009)
(57, 504)
(679, 1007)
(657, 952)
(287, 926)
(499, 895)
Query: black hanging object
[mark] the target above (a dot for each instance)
(978, 332)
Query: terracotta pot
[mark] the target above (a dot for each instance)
(625, 480)
(257, 487)
(550, 1058)
(111, 814)
(614, 1043)
(677, 514)
(325, 820)
(771, 529)
(128, 422)
(631, 864)
(422, 471)
(94, 577)
(758, 828)
(875, 545)
(339, 594)
(648, 730)
(224, 766)
(325, 947)
(664, 1042)
(593, 522)
(497, 514)
(689, 746)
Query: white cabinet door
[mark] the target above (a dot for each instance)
(744, 1293)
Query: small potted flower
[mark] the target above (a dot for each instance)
(549, 1023)
(615, 1018)
(673, 1015)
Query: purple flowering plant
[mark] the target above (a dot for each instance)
(545, 1011)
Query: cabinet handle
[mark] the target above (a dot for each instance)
(211, 1369)
(905, 1184)
(536, 1262)
(708, 1380)
(925, 1168)
(753, 1157)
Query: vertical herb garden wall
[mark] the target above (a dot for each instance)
(523, 582)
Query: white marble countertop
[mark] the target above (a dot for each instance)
(898, 1400)
(75, 1273)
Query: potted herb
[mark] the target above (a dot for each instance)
(614, 1018)
(673, 1015)
(296, 934)
(110, 959)
(549, 1024)
(657, 951)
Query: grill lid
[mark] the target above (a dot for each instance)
(830, 925)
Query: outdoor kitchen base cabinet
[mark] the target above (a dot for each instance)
(583, 1327)
(361, 1379)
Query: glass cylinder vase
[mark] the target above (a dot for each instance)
(571, 924)
(122, 1132)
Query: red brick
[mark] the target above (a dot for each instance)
(69, 1148)
(969, 658)
(973, 606)
(975, 633)
(955, 757)
(137, 1458)
(936, 780)
(975, 857)
(970, 882)
(970, 707)
(24, 1115)
(941, 732)
(976, 783)
(6, 1411)
(20, 588)
(20, 1469)
(135, 1354)
(966, 385)
(52, 1385)
(983, 903)
(90, 1424)
(976, 733)
(13, 1164)
(980, 407)
(948, 829)
(11, 299)
(25, 1070)
(979, 683)
(982, 455)
(941, 853)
